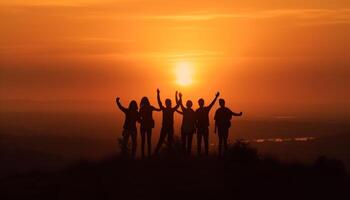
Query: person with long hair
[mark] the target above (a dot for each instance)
(147, 124)
(129, 127)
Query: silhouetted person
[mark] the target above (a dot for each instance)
(147, 124)
(223, 117)
(167, 122)
(202, 123)
(188, 127)
(131, 117)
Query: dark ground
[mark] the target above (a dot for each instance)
(242, 174)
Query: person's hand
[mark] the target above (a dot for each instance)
(117, 99)
(217, 94)
(180, 95)
(158, 91)
(241, 113)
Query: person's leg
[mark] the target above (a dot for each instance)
(206, 141)
(134, 143)
(220, 142)
(143, 140)
(199, 142)
(125, 141)
(225, 138)
(149, 141)
(126, 135)
(183, 141)
(189, 143)
(160, 141)
(170, 137)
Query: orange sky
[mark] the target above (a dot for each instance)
(279, 57)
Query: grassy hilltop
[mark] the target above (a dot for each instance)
(241, 174)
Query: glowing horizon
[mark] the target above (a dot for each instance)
(281, 55)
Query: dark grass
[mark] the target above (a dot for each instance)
(241, 174)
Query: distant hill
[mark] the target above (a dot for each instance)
(24, 153)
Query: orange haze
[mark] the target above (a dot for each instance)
(267, 58)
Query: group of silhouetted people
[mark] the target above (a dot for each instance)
(192, 122)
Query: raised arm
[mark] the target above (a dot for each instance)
(176, 98)
(122, 108)
(180, 102)
(159, 101)
(177, 101)
(214, 100)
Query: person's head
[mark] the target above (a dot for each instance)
(144, 102)
(189, 104)
(222, 102)
(201, 103)
(168, 103)
(133, 105)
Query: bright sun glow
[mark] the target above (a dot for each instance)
(184, 73)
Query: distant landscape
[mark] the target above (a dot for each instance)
(50, 141)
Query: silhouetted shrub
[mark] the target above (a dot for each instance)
(174, 150)
(329, 166)
(124, 148)
(241, 152)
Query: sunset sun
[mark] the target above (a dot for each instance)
(184, 73)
